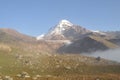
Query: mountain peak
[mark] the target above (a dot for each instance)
(64, 23)
(65, 30)
(61, 27)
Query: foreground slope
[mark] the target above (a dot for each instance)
(55, 66)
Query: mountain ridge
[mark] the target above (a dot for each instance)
(65, 30)
(75, 34)
(64, 34)
(8, 33)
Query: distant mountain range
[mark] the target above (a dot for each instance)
(65, 37)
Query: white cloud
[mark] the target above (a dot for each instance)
(113, 54)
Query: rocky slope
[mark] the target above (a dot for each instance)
(87, 45)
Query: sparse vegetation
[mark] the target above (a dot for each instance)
(55, 67)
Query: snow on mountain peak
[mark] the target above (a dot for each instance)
(57, 30)
(62, 25)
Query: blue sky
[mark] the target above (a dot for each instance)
(35, 17)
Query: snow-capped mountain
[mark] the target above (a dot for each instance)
(59, 29)
(65, 30)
